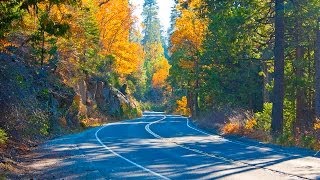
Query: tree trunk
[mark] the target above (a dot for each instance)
(190, 101)
(278, 90)
(301, 104)
(301, 122)
(317, 64)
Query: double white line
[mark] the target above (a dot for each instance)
(147, 128)
(124, 158)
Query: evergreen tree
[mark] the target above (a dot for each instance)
(155, 58)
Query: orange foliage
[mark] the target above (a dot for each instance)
(316, 125)
(182, 107)
(129, 58)
(250, 124)
(115, 21)
(190, 28)
(231, 128)
(161, 73)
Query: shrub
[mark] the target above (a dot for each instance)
(182, 107)
(39, 123)
(250, 124)
(128, 112)
(309, 141)
(231, 128)
(285, 139)
(316, 125)
(3, 136)
(264, 117)
(239, 122)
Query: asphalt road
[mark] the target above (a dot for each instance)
(159, 146)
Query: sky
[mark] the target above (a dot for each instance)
(164, 11)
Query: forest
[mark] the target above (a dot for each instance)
(250, 65)
(245, 67)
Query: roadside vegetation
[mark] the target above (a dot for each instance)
(249, 68)
(69, 65)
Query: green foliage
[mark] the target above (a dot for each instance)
(128, 112)
(232, 51)
(39, 121)
(289, 116)
(51, 27)
(3, 136)
(285, 139)
(9, 12)
(20, 80)
(44, 94)
(264, 117)
(309, 141)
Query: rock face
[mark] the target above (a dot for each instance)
(35, 102)
(97, 101)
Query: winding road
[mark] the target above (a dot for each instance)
(159, 146)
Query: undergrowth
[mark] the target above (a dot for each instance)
(258, 125)
(3, 136)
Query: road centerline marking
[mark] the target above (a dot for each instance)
(124, 158)
(147, 128)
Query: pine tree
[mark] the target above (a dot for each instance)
(278, 92)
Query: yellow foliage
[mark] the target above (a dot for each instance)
(191, 28)
(128, 58)
(155, 51)
(161, 74)
(316, 125)
(182, 107)
(185, 64)
(250, 124)
(231, 128)
(115, 21)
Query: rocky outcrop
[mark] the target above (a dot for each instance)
(36, 102)
(97, 102)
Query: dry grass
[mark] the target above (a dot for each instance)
(231, 128)
(316, 125)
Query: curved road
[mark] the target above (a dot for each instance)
(159, 146)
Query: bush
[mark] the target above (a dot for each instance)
(3, 136)
(264, 117)
(316, 125)
(39, 123)
(309, 141)
(182, 107)
(250, 124)
(285, 139)
(231, 128)
(129, 112)
(239, 122)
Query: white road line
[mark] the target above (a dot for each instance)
(147, 128)
(239, 143)
(124, 158)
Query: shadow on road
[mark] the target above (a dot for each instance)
(82, 156)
